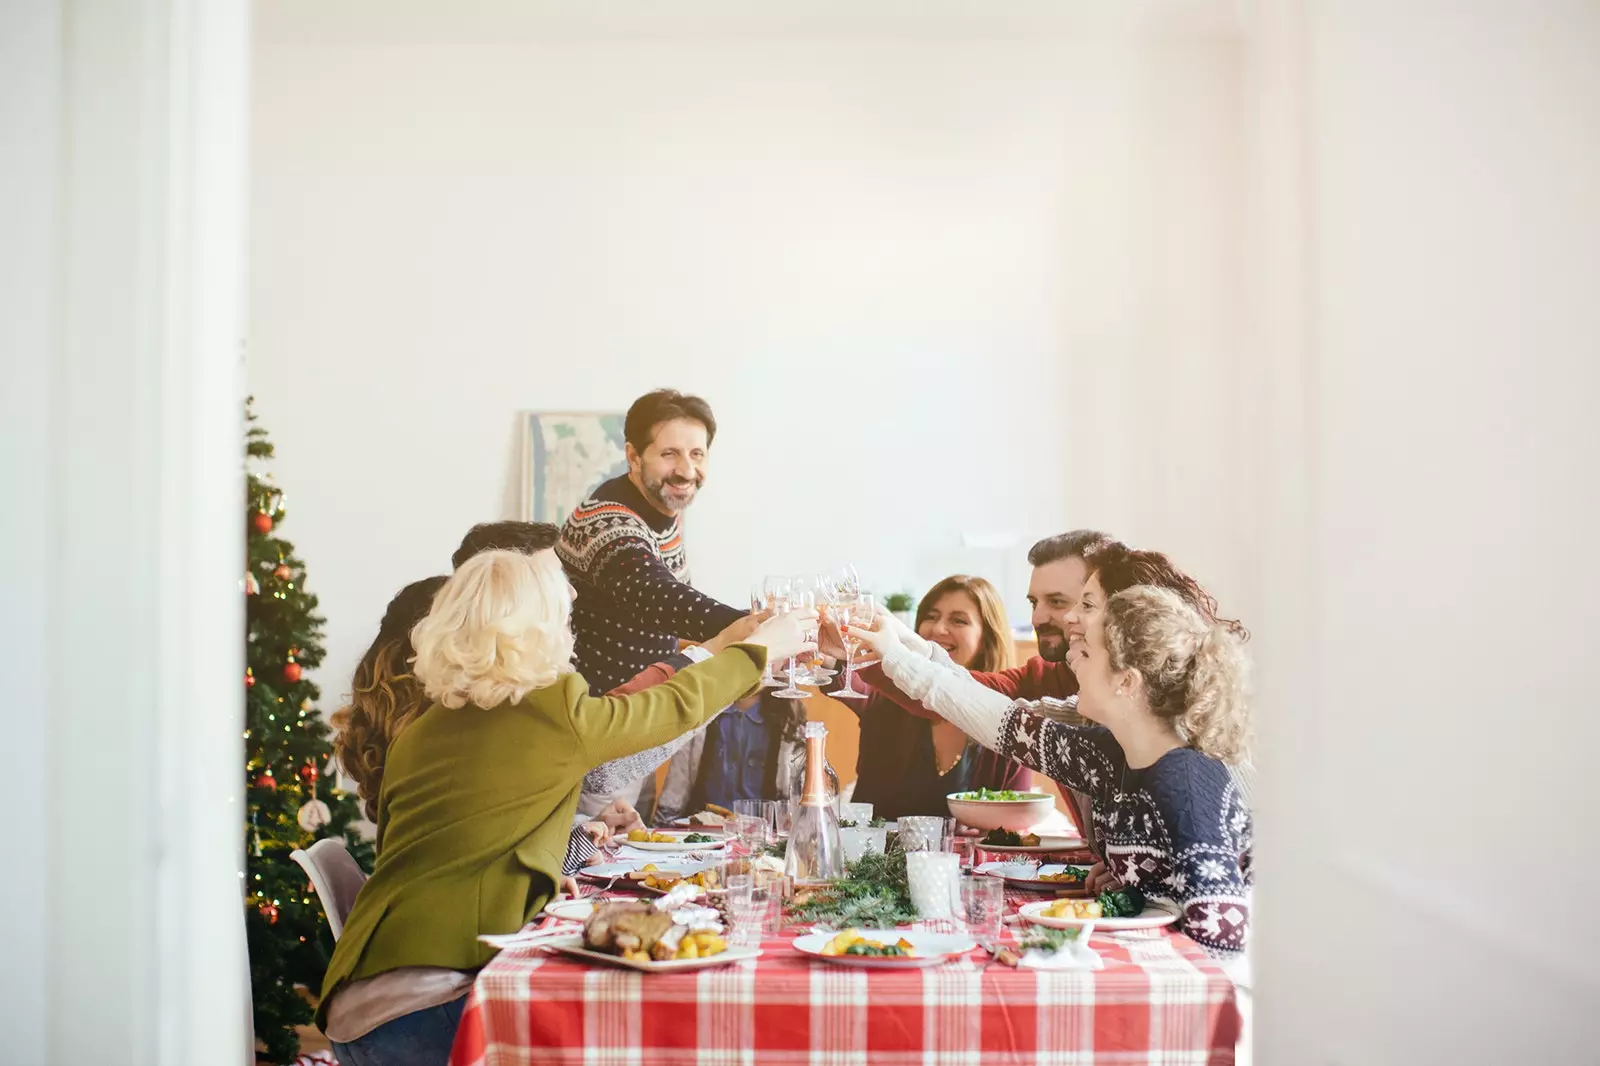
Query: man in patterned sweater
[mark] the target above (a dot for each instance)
(624, 554)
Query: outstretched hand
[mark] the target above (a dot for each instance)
(784, 635)
(738, 632)
(881, 636)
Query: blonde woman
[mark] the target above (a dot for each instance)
(479, 790)
(1166, 688)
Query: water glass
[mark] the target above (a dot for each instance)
(923, 833)
(751, 832)
(859, 813)
(983, 904)
(776, 813)
(862, 839)
(753, 906)
(935, 881)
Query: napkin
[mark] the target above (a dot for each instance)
(1072, 955)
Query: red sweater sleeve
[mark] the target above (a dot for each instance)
(651, 675)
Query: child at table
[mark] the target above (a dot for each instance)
(479, 789)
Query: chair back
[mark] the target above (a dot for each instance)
(336, 877)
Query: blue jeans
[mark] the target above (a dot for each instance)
(421, 1038)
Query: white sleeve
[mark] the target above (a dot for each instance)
(951, 693)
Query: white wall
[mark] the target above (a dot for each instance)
(1429, 345)
(880, 256)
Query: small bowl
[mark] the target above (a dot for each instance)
(1019, 816)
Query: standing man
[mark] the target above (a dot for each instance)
(624, 553)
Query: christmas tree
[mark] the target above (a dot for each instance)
(290, 804)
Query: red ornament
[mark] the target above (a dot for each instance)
(263, 522)
(282, 573)
(249, 678)
(266, 780)
(269, 912)
(308, 774)
(291, 671)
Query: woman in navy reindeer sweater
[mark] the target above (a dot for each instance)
(1167, 689)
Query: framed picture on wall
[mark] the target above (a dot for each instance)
(565, 455)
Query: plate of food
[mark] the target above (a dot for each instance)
(634, 869)
(885, 948)
(653, 939)
(1049, 877)
(1011, 842)
(656, 840)
(571, 910)
(1001, 808)
(1110, 912)
(657, 881)
(713, 817)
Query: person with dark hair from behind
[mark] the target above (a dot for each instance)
(624, 554)
(524, 537)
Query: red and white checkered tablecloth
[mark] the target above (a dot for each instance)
(1158, 999)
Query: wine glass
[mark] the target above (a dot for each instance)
(796, 600)
(847, 581)
(758, 603)
(857, 612)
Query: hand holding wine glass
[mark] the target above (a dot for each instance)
(783, 635)
(853, 615)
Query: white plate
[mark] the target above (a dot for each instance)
(573, 946)
(1024, 876)
(1059, 844)
(1153, 917)
(572, 910)
(610, 871)
(678, 845)
(932, 949)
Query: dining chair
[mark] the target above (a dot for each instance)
(336, 877)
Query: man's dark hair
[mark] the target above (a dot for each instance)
(1075, 544)
(664, 405)
(524, 537)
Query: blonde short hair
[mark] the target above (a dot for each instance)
(1195, 672)
(497, 630)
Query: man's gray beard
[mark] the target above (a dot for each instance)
(658, 497)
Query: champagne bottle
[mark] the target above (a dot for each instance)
(815, 853)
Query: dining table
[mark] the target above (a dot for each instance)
(1157, 997)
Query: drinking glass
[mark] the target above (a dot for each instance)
(934, 878)
(758, 603)
(752, 904)
(859, 611)
(776, 813)
(751, 831)
(847, 581)
(983, 905)
(859, 813)
(797, 600)
(922, 833)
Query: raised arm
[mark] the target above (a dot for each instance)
(611, 727)
(1020, 730)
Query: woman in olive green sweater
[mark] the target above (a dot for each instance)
(479, 791)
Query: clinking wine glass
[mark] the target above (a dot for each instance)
(859, 612)
(759, 603)
(796, 601)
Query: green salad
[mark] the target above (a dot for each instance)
(1004, 795)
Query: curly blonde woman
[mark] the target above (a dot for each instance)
(479, 789)
(1166, 688)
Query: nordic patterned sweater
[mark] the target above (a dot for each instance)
(627, 562)
(1178, 830)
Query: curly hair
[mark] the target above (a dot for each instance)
(497, 630)
(1195, 671)
(1121, 567)
(384, 695)
(996, 650)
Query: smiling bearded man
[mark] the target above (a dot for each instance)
(624, 554)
